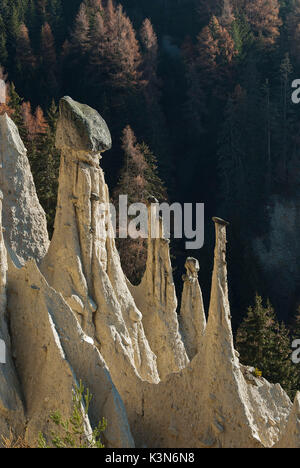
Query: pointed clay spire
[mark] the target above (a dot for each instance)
(11, 409)
(192, 316)
(156, 298)
(291, 435)
(82, 262)
(58, 354)
(225, 386)
(23, 217)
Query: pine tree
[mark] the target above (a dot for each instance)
(263, 16)
(15, 103)
(227, 16)
(225, 43)
(80, 36)
(155, 128)
(55, 18)
(242, 36)
(29, 120)
(97, 40)
(48, 46)
(265, 344)
(232, 157)
(25, 57)
(43, 156)
(209, 67)
(3, 48)
(215, 52)
(295, 329)
(12, 28)
(41, 9)
(243, 165)
(75, 56)
(139, 179)
(150, 53)
(132, 181)
(49, 82)
(4, 101)
(292, 26)
(32, 21)
(208, 50)
(195, 107)
(122, 53)
(4, 9)
(286, 70)
(50, 158)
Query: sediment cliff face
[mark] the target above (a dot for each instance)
(73, 316)
(23, 219)
(192, 315)
(156, 298)
(11, 405)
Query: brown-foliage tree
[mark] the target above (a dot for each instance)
(150, 54)
(25, 56)
(263, 15)
(293, 27)
(49, 70)
(208, 65)
(138, 180)
(156, 132)
(115, 56)
(48, 47)
(122, 51)
(80, 35)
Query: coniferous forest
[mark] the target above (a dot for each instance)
(197, 95)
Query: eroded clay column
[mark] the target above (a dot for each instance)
(156, 298)
(192, 316)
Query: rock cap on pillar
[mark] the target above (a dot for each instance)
(192, 267)
(81, 127)
(220, 221)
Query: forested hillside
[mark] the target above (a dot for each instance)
(203, 89)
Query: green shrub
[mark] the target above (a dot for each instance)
(71, 433)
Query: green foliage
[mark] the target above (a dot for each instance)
(296, 325)
(139, 179)
(15, 103)
(265, 344)
(232, 152)
(3, 48)
(242, 36)
(71, 433)
(45, 159)
(155, 185)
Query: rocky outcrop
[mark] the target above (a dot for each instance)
(291, 434)
(82, 262)
(192, 315)
(46, 377)
(74, 316)
(52, 352)
(50, 347)
(212, 402)
(11, 407)
(23, 219)
(156, 298)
